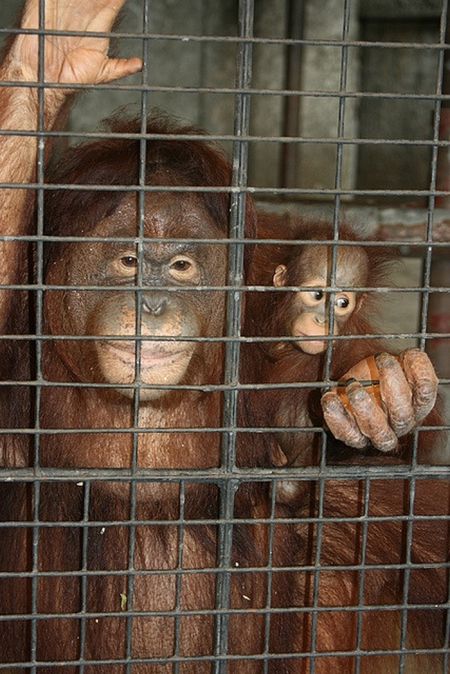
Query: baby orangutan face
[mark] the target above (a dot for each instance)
(308, 311)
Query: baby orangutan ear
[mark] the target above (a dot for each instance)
(360, 300)
(279, 277)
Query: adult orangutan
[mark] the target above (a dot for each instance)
(123, 376)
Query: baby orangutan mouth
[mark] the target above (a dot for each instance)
(311, 346)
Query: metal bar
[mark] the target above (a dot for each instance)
(331, 317)
(362, 576)
(232, 659)
(233, 570)
(185, 37)
(406, 577)
(83, 572)
(278, 138)
(439, 307)
(40, 168)
(179, 578)
(233, 313)
(220, 90)
(291, 126)
(138, 342)
(268, 607)
(426, 239)
(211, 475)
(244, 190)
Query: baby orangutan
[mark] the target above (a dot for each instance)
(309, 307)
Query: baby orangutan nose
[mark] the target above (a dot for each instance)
(155, 304)
(320, 320)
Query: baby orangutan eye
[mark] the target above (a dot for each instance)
(129, 261)
(311, 298)
(342, 302)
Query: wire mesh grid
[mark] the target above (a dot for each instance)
(137, 541)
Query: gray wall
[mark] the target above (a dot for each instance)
(187, 63)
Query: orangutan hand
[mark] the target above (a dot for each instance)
(379, 414)
(79, 59)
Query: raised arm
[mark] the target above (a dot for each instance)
(67, 60)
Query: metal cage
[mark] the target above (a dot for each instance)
(410, 217)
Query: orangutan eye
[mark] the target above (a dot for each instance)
(342, 302)
(181, 265)
(317, 295)
(345, 304)
(129, 261)
(184, 269)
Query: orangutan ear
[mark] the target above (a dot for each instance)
(360, 300)
(279, 277)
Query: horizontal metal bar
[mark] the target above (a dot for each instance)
(149, 475)
(46, 32)
(140, 88)
(128, 523)
(380, 290)
(132, 240)
(218, 340)
(177, 189)
(214, 429)
(205, 388)
(181, 37)
(319, 655)
(198, 137)
(88, 615)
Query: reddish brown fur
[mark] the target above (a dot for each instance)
(60, 547)
(269, 315)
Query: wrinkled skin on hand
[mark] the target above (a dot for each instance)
(360, 415)
(78, 59)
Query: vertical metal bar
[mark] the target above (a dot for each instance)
(84, 569)
(204, 51)
(338, 182)
(432, 199)
(425, 299)
(315, 602)
(406, 578)
(38, 357)
(179, 578)
(443, 159)
(234, 309)
(291, 122)
(268, 608)
(446, 663)
(138, 344)
(329, 352)
(439, 304)
(362, 575)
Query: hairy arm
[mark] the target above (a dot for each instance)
(68, 60)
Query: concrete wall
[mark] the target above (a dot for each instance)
(212, 65)
(321, 71)
(402, 71)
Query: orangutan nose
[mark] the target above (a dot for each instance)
(155, 305)
(320, 320)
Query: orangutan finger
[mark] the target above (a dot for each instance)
(423, 380)
(340, 422)
(396, 394)
(370, 417)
